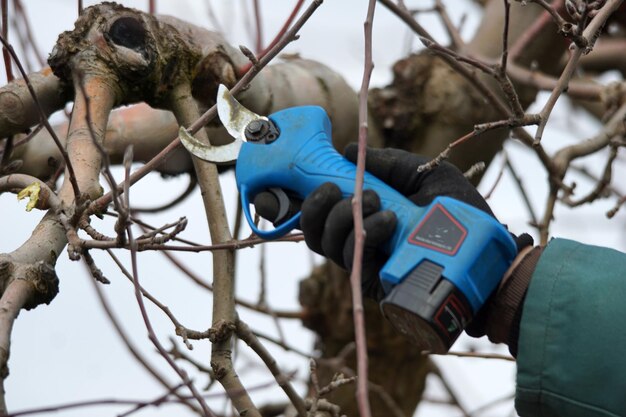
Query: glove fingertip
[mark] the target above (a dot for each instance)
(351, 152)
(371, 202)
(523, 240)
(315, 210)
(387, 221)
(379, 227)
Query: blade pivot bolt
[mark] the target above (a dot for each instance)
(256, 129)
(261, 131)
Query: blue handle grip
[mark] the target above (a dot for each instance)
(473, 244)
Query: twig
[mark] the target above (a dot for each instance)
(193, 182)
(478, 130)
(282, 344)
(234, 244)
(531, 33)
(474, 170)
(478, 355)
(338, 364)
(179, 354)
(215, 22)
(315, 386)
(158, 235)
(585, 171)
(179, 328)
(163, 399)
(19, 9)
(505, 37)
(493, 187)
(552, 10)
(24, 140)
(338, 381)
(611, 213)
(262, 301)
(96, 272)
(563, 158)
(94, 403)
(156, 402)
(152, 335)
(560, 87)
(544, 225)
(255, 307)
(359, 232)
(245, 334)
(454, 399)
(7, 150)
(279, 35)
(258, 24)
(44, 120)
(577, 88)
(453, 32)
(5, 35)
(480, 86)
(522, 190)
(589, 35)
(501, 74)
(146, 227)
(494, 71)
(132, 349)
(601, 185)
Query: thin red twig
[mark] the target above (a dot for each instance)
(359, 232)
(258, 22)
(279, 35)
(206, 411)
(28, 31)
(5, 35)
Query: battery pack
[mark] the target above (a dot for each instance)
(428, 309)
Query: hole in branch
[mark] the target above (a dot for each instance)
(128, 32)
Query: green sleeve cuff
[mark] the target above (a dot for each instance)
(572, 334)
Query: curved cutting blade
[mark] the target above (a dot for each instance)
(234, 116)
(223, 155)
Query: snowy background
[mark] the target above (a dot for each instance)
(68, 351)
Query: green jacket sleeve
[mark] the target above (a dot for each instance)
(571, 360)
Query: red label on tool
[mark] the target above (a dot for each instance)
(439, 231)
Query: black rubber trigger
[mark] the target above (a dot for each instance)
(283, 204)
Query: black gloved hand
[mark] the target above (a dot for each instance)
(327, 220)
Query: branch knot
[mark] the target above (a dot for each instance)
(221, 331)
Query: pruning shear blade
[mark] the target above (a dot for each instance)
(223, 154)
(235, 117)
